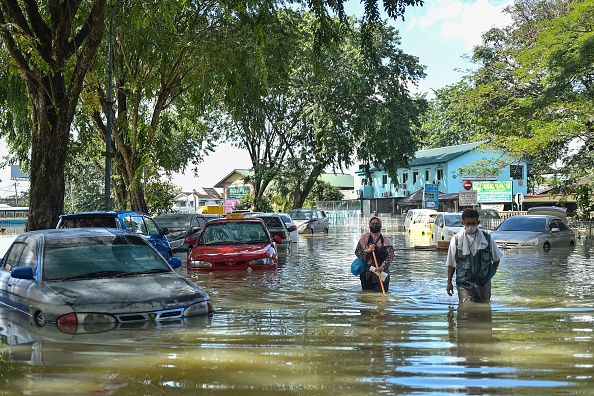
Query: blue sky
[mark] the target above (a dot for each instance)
(439, 33)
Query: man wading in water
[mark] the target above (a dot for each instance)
(474, 257)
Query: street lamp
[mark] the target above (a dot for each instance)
(108, 153)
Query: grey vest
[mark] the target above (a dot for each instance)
(474, 270)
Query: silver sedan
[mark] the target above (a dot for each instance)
(87, 276)
(533, 231)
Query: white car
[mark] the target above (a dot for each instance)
(446, 226)
(310, 221)
(289, 223)
(412, 214)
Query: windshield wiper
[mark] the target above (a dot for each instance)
(147, 271)
(98, 274)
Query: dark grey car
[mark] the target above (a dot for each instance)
(181, 226)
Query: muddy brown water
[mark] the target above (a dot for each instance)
(307, 328)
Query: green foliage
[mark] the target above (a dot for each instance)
(322, 191)
(160, 195)
(249, 202)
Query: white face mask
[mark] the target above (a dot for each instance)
(470, 229)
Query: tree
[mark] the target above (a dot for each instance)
(53, 43)
(322, 106)
(52, 47)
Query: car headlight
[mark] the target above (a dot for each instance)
(199, 264)
(530, 242)
(261, 261)
(201, 308)
(302, 226)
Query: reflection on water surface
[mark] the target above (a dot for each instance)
(308, 329)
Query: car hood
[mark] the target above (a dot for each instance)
(228, 252)
(299, 223)
(514, 236)
(111, 295)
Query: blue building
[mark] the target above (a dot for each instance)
(441, 168)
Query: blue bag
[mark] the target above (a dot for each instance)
(358, 266)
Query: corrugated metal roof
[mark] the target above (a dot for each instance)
(442, 154)
(340, 180)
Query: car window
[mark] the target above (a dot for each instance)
(233, 232)
(88, 221)
(201, 222)
(439, 220)
(523, 223)
(150, 227)
(11, 259)
(135, 224)
(173, 222)
(453, 220)
(272, 221)
(29, 255)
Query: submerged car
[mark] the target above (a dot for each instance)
(277, 227)
(310, 221)
(95, 276)
(542, 231)
(412, 214)
(291, 226)
(181, 226)
(446, 225)
(136, 222)
(423, 224)
(235, 243)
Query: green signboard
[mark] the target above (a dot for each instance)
(237, 191)
(493, 191)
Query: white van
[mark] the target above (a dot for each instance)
(412, 213)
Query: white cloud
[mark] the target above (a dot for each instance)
(458, 20)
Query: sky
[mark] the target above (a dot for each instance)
(439, 33)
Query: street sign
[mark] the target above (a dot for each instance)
(467, 198)
(519, 198)
(431, 196)
(467, 185)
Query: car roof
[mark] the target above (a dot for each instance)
(110, 213)
(54, 233)
(244, 220)
(177, 215)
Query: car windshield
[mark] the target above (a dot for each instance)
(100, 257)
(233, 232)
(523, 223)
(300, 215)
(286, 219)
(453, 220)
(173, 223)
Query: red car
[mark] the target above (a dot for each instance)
(233, 244)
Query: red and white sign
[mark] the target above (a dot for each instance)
(467, 185)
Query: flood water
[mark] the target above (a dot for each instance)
(308, 329)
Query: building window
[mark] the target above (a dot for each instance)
(415, 177)
(404, 178)
(440, 174)
(384, 180)
(427, 176)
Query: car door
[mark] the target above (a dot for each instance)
(564, 236)
(438, 229)
(23, 253)
(152, 232)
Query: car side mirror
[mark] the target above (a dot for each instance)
(23, 272)
(292, 228)
(277, 239)
(163, 231)
(175, 262)
(195, 229)
(191, 241)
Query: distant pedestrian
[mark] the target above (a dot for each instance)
(474, 257)
(374, 242)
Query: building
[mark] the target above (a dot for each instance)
(190, 202)
(235, 186)
(440, 169)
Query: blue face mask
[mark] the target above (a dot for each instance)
(470, 229)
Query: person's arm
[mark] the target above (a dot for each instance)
(495, 265)
(450, 285)
(389, 253)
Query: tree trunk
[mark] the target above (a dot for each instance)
(49, 146)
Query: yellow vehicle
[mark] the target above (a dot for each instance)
(211, 209)
(422, 224)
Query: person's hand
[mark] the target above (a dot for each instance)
(450, 288)
(370, 248)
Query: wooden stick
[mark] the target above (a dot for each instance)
(379, 273)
